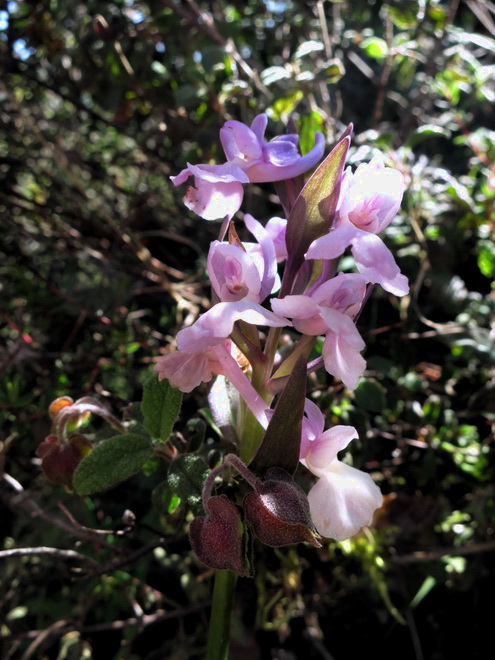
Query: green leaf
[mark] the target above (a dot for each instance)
(308, 125)
(423, 591)
(274, 74)
(160, 407)
(308, 47)
(405, 15)
(110, 462)
(427, 131)
(334, 70)
(486, 258)
(283, 107)
(375, 48)
(370, 396)
(281, 443)
(164, 499)
(133, 347)
(185, 478)
(314, 209)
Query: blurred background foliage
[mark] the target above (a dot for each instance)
(100, 264)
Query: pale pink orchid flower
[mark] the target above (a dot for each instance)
(244, 273)
(233, 273)
(344, 499)
(329, 310)
(262, 161)
(217, 190)
(217, 324)
(369, 200)
(186, 371)
(204, 350)
(275, 230)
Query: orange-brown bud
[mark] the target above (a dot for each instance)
(57, 405)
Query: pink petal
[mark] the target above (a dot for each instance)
(182, 177)
(217, 323)
(376, 263)
(304, 312)
(231, 369)
(258, 126)
(325, 448)
(333, 244)
(312, 427)
(281, 152)
(314, 418)
(225, 173)
(268, 251)
(342, 359)
(239, 142)
(184, 371)
(266, 171)
(343, 501)
(213, 201)
(297, 307)
(344, 326)
(276, 228)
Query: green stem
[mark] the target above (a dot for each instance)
(250, 433)
(304, 345)
(271, 350)
(221, 613)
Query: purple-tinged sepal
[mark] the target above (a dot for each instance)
(278, 511)
(220, 538)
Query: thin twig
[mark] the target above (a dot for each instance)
(114, 566)
(61, 628)
(22, 500)
(439, 553)
(56, 553)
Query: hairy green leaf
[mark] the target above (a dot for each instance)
(112, 461)
(160, 407)
(186, 476)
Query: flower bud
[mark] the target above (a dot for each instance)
(49, 443)
(74, 421)
(278, 511)
(60, 459)
(57, 405)
(219, 539)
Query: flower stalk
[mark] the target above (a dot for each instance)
(222, 605)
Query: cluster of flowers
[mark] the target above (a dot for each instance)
(313, 299)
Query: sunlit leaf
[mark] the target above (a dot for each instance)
(160, 407)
